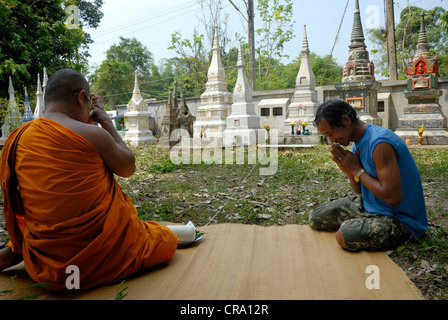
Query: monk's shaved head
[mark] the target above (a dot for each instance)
(63, 84)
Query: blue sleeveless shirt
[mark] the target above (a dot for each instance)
(411, 211)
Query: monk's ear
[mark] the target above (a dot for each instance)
(346, 121)
(80, 97)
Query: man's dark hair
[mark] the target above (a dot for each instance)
(63, 84)
(332, 111)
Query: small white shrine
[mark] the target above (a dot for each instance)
(138, 119)
(216, 101)
(243, 124)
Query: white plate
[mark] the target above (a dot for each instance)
(186, 243)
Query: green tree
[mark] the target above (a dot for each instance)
(132, 51)
(34, 35)
(113, 80)
(283, 76)
(192, 66)
(326, 70)
(277, 29)
(161, 79)
(406, 35)
(445, 21)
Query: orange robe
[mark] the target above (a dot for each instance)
(63, 207)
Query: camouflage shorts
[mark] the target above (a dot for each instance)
(360, 230)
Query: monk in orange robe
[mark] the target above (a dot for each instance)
(62, 205)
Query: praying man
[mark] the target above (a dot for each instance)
(389, 209)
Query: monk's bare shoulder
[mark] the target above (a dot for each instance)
(96, 135)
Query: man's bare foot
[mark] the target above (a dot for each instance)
(8, 258)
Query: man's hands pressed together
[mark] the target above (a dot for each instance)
(348, 162)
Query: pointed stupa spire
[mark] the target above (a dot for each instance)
(39, 99)
(242, 91)
(45, 80)
(305, 46)
(181, 91)
(27, 114)
(216, 38)
(11, 90)
(137, 103)
(175, 101)
(170, 114)
(358, 67)
(240, 62)
(136, 95)
(422, 46)
(136, 90)
(216, 71)
(12, 118)
(12, 105)
(305, 77)
(357, 39)
(39, 86)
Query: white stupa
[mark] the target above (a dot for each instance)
(137, 117)
(243, 124)
(304, 103)
(216, 101)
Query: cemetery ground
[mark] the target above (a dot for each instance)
(305, 177)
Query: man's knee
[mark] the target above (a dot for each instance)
(340, 239)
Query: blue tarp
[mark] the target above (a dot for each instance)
(122, 115)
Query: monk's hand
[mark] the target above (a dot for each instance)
(98, 114)
(348, 162)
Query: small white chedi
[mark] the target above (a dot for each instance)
(137, 117)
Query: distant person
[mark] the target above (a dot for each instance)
(391, 207)
(62, 205)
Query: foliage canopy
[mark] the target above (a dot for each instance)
(406, 36)
(35, 34)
